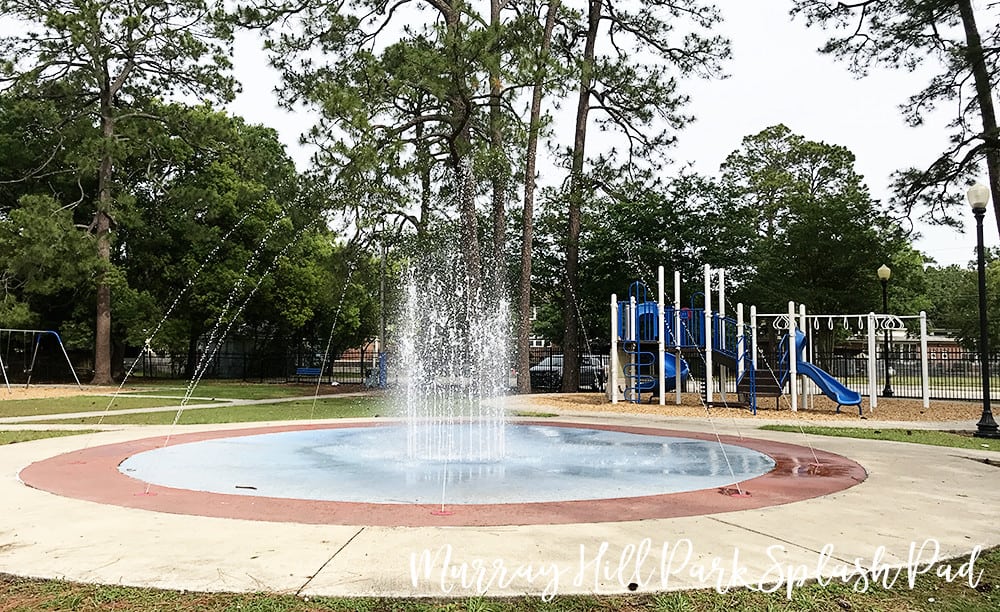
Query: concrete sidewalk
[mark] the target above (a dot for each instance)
(917, 503)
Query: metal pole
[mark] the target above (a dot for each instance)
(887, 391)
(987, 426)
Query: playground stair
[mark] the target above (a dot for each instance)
(759, 383)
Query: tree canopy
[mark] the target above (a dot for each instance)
(947, 36)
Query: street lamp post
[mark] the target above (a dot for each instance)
(979, 196)
(884, 273)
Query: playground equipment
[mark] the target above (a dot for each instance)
(638, 347)
(36, 340)
(642, 331)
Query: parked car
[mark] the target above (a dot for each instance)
(547, 374)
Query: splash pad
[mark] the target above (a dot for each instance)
(94, 474)
(451, 458)
(543, 463)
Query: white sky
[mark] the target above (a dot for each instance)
(776, 77)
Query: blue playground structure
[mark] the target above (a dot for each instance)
(638, 332)
(646, 363)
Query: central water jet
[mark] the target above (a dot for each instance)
(454, 363)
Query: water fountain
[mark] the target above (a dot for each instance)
(452, 447)
(454, 361)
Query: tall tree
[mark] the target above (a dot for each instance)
(628, 82)
(428, 107)
(821, 236)
(907, 34)
(104, 60)
(213, 213)
(541, 67)
(953, 295)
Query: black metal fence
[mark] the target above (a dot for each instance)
(546, 372)
(352, 367)
(952, 374)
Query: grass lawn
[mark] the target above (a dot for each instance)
(229, 390)
(76, 403)
(917, 436)
(930, 592)
(12, 437)
(324, 408)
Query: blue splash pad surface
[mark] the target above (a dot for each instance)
(369, 464)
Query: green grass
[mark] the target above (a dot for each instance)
(916, 436)
(78, 403)
(326, 408)
(229, 390)
(537, 415)
(930, 592)
(13, 437)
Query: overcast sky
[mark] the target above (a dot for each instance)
(776, 77)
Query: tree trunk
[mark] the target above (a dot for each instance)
(102, 328)
(191, 361)
(527, 224)
(501, 169)
(571, 342)
(984, 95)
(424, 169)
(460, 144)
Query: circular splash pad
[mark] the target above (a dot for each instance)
(790, 473)
(542, 464)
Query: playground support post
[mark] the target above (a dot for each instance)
(633, 352)
(753, 336)
(741, 342)
(723, 373)
(872, 365)
(708, 335)
(613, 373)
(925, 381)
(661, 332)
(677, 337)
(793, 374)
(806, 389)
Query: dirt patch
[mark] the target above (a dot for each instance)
(821, 408)
(46, 391)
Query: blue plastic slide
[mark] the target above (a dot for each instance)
(670, 371)
(652, 384)
(830, 386)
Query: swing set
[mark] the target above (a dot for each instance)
(32, 342)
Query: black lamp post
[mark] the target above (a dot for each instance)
(979, 195)
(883, 276)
